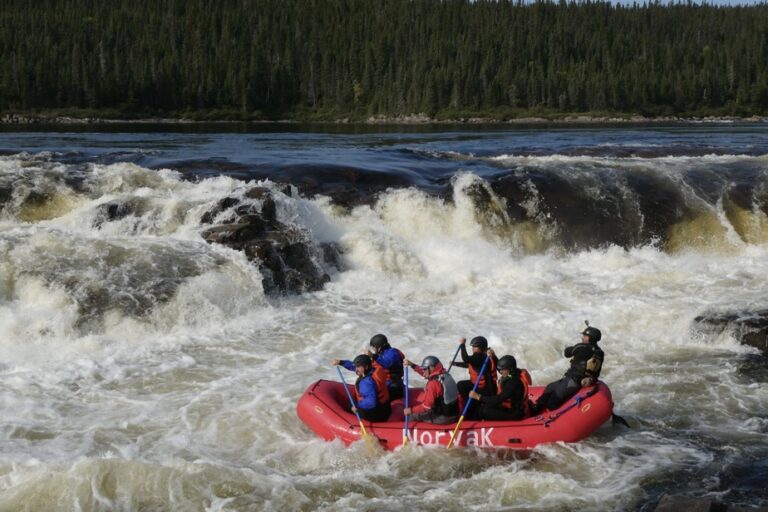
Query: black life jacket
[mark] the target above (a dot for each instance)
(586, 365)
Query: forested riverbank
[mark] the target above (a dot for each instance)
(332, 60)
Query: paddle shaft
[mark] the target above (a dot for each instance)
(351, 402)
(469, 400)
(453, 360)
(405, 434)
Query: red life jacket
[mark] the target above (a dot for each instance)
(490, 369)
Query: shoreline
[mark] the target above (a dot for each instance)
(408, 120)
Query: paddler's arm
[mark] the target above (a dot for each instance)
(345, 363)
(464, 363)
(414, 367)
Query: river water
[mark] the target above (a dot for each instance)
(142, 368)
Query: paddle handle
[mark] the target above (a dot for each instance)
(469, 400)
(351, 402)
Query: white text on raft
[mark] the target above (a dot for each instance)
(434, 437)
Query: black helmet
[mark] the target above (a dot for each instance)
(479, 341)
(379, 341)
(429, 361)
(593, 333)
(507, 363)
(362, 360)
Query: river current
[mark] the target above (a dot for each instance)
(142, 368)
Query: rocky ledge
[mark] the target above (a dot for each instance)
(285, 255)
(749, 327)
(684, 503)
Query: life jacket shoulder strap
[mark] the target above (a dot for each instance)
(526, 380)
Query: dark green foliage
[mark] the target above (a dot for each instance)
(314, 58)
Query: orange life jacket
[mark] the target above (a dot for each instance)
(490, 369)
(506, 404)
(525, 379)
(382, 391)
(380, 377)
(390, 375)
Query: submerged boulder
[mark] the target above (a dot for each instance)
(118, 209)
(287, 259)
(669, 503)
(749, 327)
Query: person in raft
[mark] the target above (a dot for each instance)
(389, 361)
(440, 401)
(474, 363)
(511, 400)
(586, 363)
(371, 395)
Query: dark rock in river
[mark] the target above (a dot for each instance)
(687, 504)
(287, 259)
(6, 193)
(574, 205)
(332, 252)
(116, 210)
(595, 210)
(346, 186)
(222, 205)
(236, 234)
(749, 327)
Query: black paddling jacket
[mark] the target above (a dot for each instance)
(580, 354)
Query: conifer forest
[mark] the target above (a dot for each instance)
(269, 59)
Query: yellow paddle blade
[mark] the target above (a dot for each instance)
(372, 444)
(450, 443)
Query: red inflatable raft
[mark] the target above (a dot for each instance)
(324, 407)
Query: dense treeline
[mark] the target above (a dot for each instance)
(255, 58)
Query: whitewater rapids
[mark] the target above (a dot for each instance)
(142, 368)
